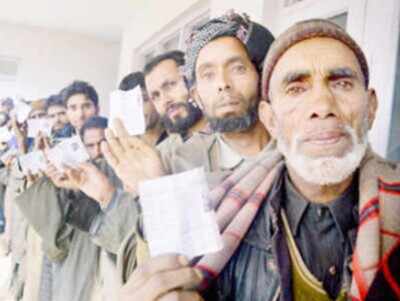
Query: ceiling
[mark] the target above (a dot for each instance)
(103, 19)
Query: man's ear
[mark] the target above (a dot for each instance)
(196, 97)
(267, 117)
(372, 107)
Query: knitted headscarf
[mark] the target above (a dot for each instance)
(255, 37)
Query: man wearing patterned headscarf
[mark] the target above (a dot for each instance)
(320, 223)
(223, 61)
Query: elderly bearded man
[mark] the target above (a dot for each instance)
(324, 223)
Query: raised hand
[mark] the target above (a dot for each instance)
(90, 180)
(20, 131)
(131, 158)
(59, 179)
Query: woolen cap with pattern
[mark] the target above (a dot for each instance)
(255, 37)
(315, 28)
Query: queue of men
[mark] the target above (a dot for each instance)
(304, 207)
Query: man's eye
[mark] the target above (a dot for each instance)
(208, 75)
(343, 84)
(239, 68)
(295, 90)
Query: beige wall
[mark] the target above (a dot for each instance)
(49, 60)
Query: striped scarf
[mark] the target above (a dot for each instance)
(238, 198)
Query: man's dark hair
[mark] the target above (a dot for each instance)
(176, 55)
(131, 81)
(80, 87)
(95, 122)
(54, 100)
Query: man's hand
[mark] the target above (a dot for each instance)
(59, 179)
(162, 278)
(131, 158)
(90, 180)
(20, 131)
(9, 161)
(41, 142)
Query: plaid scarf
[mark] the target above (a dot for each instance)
(238, 198)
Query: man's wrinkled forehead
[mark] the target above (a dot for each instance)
(324, 57)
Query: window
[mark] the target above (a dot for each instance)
(340, 20)
(171, 43)
(172, 39)
(8, 69)
(288, 3)
(393, 152)
(8, 76)
(148, 56)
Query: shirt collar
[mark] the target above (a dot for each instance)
(228, 157)
(343, 209)
(163, 136)
(295, 204)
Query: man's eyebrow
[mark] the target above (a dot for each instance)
(338, 73)
(234, 59)
(205, 66)
(295, 76)
(166, 82)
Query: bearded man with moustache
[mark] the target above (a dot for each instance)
(321, 224)
(223, 71)
(168, 90)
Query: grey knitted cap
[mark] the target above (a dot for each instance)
(315, 28)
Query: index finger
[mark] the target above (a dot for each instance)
(114, 144)
(120, 128)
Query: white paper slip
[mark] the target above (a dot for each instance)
(70, 152)
(21, 110)
(43, 125)
(32, 162)
(5, 134)
(8, 154)
(128, 106)
(176, 215)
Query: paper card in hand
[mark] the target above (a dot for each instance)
(128, 106)
(70, 152)
(43, 125)
(177, 217)
(5, 134)
(32, 162)
(8, 154)
(21, 110)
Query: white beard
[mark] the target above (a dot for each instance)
(325, 170)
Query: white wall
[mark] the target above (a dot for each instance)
(49, 60)
(156, 16)
(153, 17)
(253, 8)
(373, 25)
